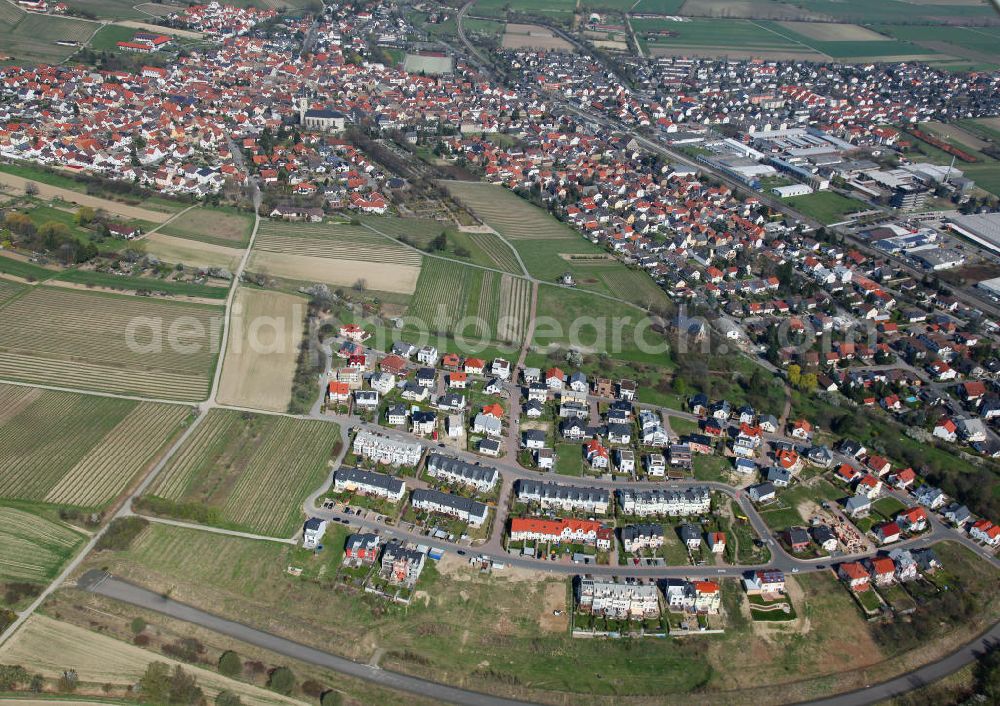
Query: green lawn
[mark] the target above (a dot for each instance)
(107, 37)
(825, 206)
(27, 270)
(711, 467)
(569, 459)
(100, 279)
(570, 317)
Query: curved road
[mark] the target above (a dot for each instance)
(102, 583)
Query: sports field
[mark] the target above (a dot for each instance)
(220, 226)
(335, 254)
(71, 449)
(249, 470)
(826, 206)
(260, 360)
(50, 647)
(34, 548)
(96, 341)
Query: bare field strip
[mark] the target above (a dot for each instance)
(523, 36)
(90, 340)
(160, 29)
(385, 277)
(992, 123)
(831, 32)
(255, 469)
(610, 45)
(657, 50)
(50, 647)
(33, 547)
(958, 134)
(192, 253)
(75, 449)
(46, 191)
(377, 250)
(260, 361)
(755, 9)
(506, 213)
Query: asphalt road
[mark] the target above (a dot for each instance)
(918, 678)
(103, 584)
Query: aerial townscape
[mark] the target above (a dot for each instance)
(499, 352)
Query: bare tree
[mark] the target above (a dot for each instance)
(30, 188)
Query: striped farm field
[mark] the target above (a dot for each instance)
(98, 341)
(9, 290)
(498, 251)
(515, 308)
(484, 302)
(442, 293)
(447, 292)
(506, 213)
(73, 449)
(251, 471)
(34, 548)
(334, 241)
(631, 285)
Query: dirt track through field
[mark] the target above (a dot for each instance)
(47, 191)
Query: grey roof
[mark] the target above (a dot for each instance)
(468, 471)
(456, 502)
(689, 531)
(797, 535)
(762, 489)
(562, 492)
(395, 550)
(621, 430)
(822, 534)
(376, 480)
(632, 532)
(777, 473)
(644, 497)
(856, 502)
